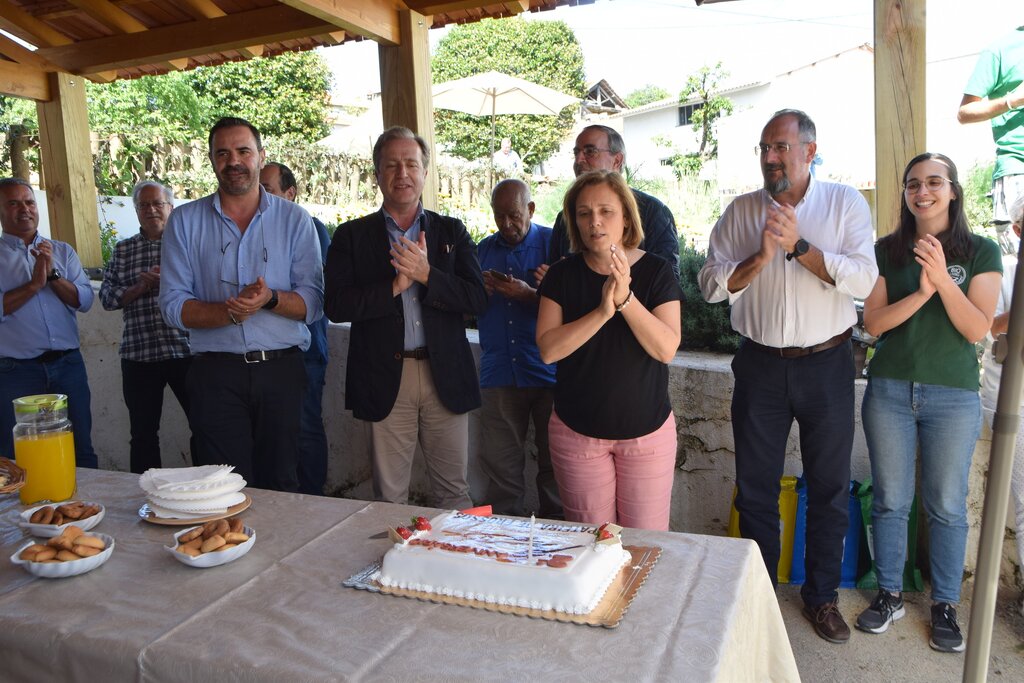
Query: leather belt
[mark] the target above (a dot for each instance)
(253, 356)
(800, 351)
(50, 356)
(422, 353)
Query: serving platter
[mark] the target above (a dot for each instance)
(148, 515)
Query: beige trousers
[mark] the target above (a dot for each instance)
(419, 417)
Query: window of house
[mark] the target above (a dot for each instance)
(686, 113)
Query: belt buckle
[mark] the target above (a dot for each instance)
(258, 356)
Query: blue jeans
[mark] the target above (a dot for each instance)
(312, 439)
(65, 375)
(899, 416)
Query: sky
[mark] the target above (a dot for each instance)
(752, 38)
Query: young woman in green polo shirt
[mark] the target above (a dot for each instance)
(934, 299)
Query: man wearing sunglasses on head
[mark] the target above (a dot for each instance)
(601, 148)
(242, 272)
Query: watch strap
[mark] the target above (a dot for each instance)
(272, 302)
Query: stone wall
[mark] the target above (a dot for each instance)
(700, 385)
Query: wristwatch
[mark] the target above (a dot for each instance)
(272, 302)
(799, 249)
(53, 275)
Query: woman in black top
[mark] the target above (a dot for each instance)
(610, 316)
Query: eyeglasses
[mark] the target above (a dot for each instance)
(779, 147)
(589, 151)
(934, 183)
(151, 205)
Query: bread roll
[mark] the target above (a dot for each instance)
(89, 541)
(212, 543)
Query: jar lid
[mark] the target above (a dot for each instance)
(40, 403)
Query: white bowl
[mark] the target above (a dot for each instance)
(215, 558)
(51, 530)
(60, 570)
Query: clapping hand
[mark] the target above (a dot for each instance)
(928, 252)
(616, 287)
(151, 278)
(249, 300)
(410, 259)
(44, 262)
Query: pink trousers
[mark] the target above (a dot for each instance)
(626, 482)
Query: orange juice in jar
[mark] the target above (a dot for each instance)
(44, 447)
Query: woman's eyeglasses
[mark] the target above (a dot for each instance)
(933, 183)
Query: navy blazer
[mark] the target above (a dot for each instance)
(358, 278)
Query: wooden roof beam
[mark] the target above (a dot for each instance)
(272, 24)
(110, 15)
(369, 18)
(20, 80)
(206, 9)
(446, 6)
(17, 52)
(30, 29)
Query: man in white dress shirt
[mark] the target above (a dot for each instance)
(790, 258)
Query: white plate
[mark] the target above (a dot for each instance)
(60, 570)
(51, 530)
(214, 558)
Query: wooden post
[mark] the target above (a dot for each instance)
(405, 84)
(899, 101)
(66, 158)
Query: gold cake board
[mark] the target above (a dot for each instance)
(608, 612)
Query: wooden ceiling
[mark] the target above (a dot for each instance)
(105, 40)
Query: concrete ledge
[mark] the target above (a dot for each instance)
(700, 385)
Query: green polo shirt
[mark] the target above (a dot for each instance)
(1000, 69)
(927, 348)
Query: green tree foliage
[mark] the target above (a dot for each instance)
(283, 96)
(544, 52)
(702, 86)
(705, 326)
(146, 108)
(645, 95)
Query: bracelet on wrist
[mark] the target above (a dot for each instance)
(629, 297)
(1006, 101)
(231, 316)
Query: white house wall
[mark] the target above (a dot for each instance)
(838, 93)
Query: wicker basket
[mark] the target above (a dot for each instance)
(16, 476)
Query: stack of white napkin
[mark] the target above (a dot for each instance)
(192, 492)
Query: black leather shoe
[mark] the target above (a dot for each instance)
(828, 622)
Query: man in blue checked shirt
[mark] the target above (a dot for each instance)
(43, 286)
(516, 385)
(154, 355)
(242, 273)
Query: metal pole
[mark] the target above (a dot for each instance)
(490, 159)
(997, 490)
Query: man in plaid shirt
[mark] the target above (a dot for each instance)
(153, 354)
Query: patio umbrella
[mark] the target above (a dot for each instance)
(493, 93)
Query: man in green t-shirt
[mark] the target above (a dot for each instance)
(995, 93)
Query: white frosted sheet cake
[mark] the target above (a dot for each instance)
(488, 559)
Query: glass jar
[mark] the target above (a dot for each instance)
(44, 446)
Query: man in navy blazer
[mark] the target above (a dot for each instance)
(405, 277)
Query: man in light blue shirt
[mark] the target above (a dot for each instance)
(242, 273)
(43, 285)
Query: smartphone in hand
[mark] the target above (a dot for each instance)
(504, 277)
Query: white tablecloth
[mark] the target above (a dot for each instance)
(706, 613)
